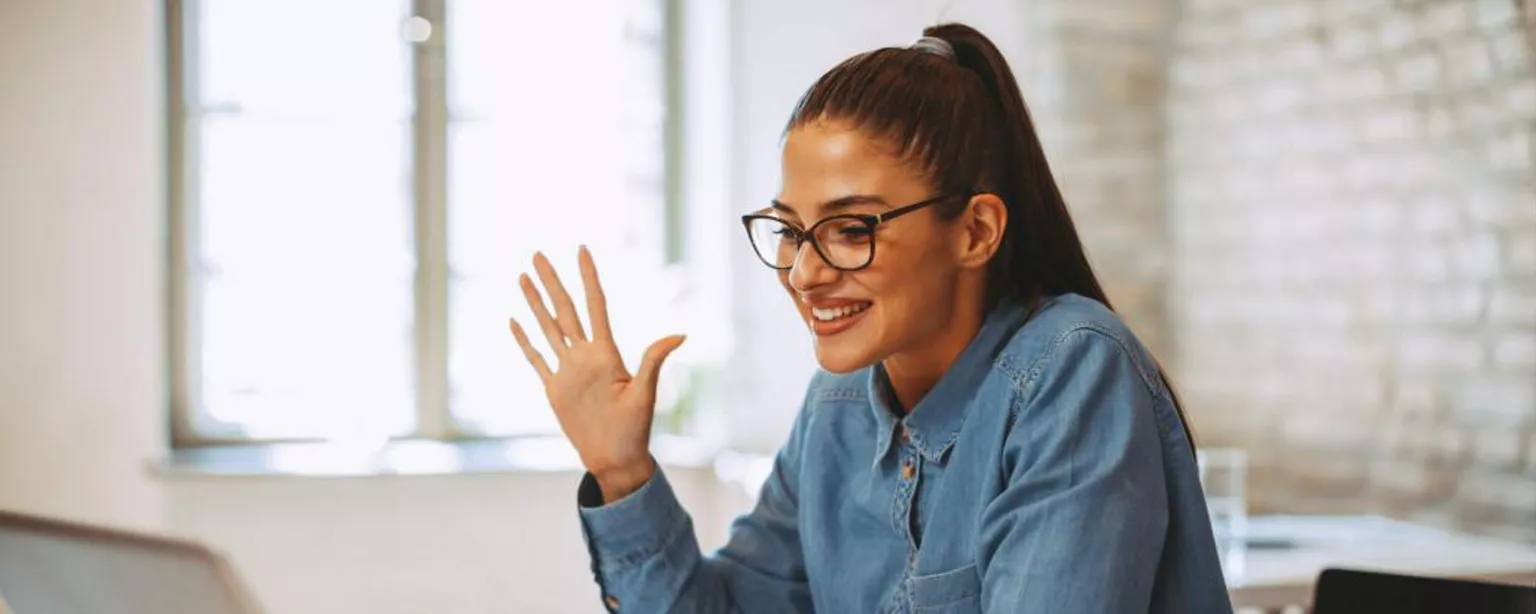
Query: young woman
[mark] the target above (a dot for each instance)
(985, 434)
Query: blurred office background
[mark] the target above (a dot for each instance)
(244, 244)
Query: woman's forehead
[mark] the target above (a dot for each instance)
(826, 162)
(832, 147)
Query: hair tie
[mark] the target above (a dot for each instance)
(934, 45)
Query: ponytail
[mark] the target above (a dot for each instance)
(1041, 253)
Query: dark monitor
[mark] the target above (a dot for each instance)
(1344, 591)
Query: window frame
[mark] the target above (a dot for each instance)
(430, 126)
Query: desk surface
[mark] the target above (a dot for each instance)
(1274, 577)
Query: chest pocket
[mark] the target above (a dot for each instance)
(957, 591)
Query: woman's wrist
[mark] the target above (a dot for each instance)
(622, 482)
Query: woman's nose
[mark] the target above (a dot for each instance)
(809, 269)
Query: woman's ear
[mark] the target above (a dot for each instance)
(982, 226)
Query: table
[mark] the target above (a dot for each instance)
(1270, 577)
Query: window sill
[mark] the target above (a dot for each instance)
(425, 457)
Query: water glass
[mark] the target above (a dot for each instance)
(1223, 477)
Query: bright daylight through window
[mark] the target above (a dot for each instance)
(359, 182)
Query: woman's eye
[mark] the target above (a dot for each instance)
(784, 233)
(855, 232)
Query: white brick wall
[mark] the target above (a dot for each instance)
(1351, 235)
(1093, 73)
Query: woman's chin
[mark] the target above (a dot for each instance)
(834, 359)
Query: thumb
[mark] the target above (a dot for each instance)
(650, 364)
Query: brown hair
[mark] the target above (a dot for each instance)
(962, 121)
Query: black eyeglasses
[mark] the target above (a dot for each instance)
(845, 242)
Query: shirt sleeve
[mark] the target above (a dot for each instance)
(1079, 527)
(646, 558)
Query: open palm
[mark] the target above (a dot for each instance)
(603, 410)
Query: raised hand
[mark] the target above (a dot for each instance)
(603, 410)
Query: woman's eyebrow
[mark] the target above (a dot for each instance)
(837, 204)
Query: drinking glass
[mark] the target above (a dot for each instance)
(1223, 477)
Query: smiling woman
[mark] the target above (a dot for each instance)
(985, 434)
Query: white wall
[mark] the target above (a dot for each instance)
(467, 544)
(1358, 214)
(82, 374)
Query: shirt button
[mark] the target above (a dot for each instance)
(906, 435)
(908, 470)
(613, 603)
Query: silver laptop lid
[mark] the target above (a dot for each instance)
(49, 566)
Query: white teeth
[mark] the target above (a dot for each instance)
(827, 315)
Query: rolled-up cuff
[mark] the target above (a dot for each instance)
(631, 530)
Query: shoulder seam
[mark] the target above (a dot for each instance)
(1024, 379)
(840, 393)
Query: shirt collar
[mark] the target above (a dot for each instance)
(935, 421)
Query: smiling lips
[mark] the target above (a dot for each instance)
(830, 319)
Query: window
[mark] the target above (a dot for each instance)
(357, 183)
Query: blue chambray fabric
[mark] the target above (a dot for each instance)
(1047, 471)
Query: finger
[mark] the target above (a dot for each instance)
(565, 310)
(528, 352)
(650, 364)
(536, 303)
(597, 302)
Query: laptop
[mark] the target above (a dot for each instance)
(1347, 591)
(50, 566)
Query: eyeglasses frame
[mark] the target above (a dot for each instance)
(872, 221)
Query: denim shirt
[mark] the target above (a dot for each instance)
(1046, 471)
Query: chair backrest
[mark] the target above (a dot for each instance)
(1346, 591)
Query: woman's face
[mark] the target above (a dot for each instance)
(905, 295)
